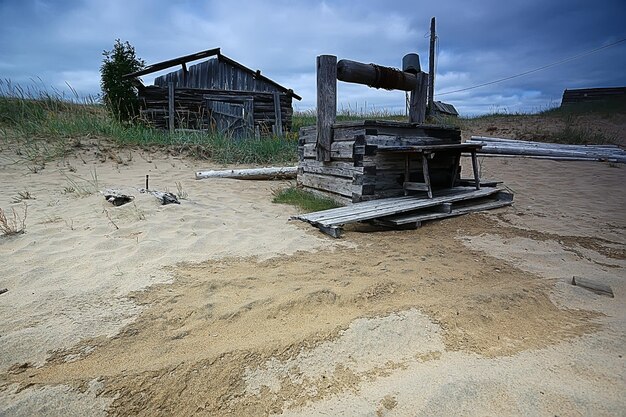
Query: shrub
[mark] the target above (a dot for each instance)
(120, 95)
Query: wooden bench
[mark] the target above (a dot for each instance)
(428, 152)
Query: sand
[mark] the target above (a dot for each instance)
(221, 306)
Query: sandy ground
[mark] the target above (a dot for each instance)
(221, 306)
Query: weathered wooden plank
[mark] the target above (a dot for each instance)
(337, 164)
(277, 114)
(337, 185)
(326, 104)
(338, 150)
(170, 106)
(381, 208)
(337, 171)
(501, 199)
(418, 99)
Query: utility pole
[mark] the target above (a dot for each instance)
(431, 67)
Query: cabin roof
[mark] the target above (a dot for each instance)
(207, 54)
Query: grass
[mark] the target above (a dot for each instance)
(14, 224)
(305, 200)
(82, 187)
(42, 126)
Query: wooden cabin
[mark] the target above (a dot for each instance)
(219, 95)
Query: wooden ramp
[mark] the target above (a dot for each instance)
(409, 210)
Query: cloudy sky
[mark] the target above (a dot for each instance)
(56, 43)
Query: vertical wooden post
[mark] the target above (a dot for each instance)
(417, 105)
(278, 119)
(326, 104)
(426, 175)
(170, 105)
(431, 67)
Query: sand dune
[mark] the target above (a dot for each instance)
(221, 306)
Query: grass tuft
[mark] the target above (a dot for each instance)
(305, 200)
(14, 224)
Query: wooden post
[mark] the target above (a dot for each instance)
(417, 104)
(326, 104)
(431, 67)
(170, 105)
(278, 119)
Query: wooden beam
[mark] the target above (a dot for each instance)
(417, 103)
(278, 120)
(170, 106)
(172, 63)
(375, 75)
(431, 66)
(326, 104)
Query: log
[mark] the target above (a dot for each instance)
(375, 76)
(270, 173)
(594, 286)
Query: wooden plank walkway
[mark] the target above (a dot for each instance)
(331, 221)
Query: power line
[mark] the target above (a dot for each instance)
(536, 69)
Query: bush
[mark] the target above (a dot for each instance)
(120, 95)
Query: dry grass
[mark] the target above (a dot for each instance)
(14, 224)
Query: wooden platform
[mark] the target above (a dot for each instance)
(409, 210)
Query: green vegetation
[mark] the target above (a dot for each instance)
(305, 200)
(119, 94)
(41, 126)
(44, 127)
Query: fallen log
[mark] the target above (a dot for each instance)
(271, 173)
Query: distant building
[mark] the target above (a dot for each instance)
(592, 95)
(218, 94)
(444, 108)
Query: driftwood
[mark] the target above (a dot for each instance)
(3, 290)
(594, 286)
(164, 198)
(251, 174)
(116, 197)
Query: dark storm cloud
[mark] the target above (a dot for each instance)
(62, 41)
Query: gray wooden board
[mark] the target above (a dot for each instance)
(338, 185)
(380, 208)
(470, 207)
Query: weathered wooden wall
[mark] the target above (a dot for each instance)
(357, 172)
(216, 74)
(192, 113)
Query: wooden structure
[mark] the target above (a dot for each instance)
(592, 95)
(219, 94)
(409, 211)
(366, 160)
